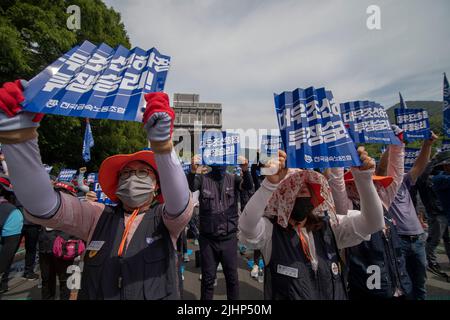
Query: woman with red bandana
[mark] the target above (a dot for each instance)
(293, 221)
(131, 247)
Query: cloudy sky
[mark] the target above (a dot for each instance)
(240, 52)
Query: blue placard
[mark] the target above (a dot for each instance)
(98, 82)
(270, 144)
(414, 122)
(219, 148)
(92, 177)
(446, 107)
(101, 196)
(67, 174)
(411, 155)
(368, 122)
(312, 130)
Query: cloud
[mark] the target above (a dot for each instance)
(239, 53)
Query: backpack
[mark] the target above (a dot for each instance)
(67, 249)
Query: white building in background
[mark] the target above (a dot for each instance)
(189, 109)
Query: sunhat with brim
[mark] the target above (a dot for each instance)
(442, 158)
(108, 174)
(5, 183)
(384, 181)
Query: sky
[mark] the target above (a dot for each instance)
(240, 52)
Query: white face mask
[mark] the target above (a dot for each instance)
(134, 191)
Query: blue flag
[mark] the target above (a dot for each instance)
(312, 130)
(411, 155)
(402, 102)
(88, 142)
(446, 107)
(414, 122)
(219, 148)
(66, 175)
(98, 82)
(367, 122)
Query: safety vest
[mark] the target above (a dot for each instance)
(382, 251)
(147, 269)
(218, 210)
(289, 274)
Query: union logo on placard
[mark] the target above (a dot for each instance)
(308, 158)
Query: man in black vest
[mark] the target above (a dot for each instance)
(131, 247)
(219, 224)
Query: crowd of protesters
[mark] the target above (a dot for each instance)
(318, 235)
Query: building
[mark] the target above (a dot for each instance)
(189, 109)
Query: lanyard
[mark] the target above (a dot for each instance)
(127, 230)
(304, 243)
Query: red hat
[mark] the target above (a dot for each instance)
(384, 181)
(108, 175)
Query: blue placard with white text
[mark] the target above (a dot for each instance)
(414, 123)
(312, 130)
(411, 155)
(98, 82)
(219, 148)
(368, 122)
(67, 174)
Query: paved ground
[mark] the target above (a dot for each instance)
(21, 289)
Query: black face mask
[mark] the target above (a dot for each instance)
(302, 207)
(218, 172)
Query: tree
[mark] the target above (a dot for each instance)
(33, 34)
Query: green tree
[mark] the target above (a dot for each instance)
(33, 34)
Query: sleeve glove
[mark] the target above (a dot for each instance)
(16, 125)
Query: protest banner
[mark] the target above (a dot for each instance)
(219, 147)
(270, 144)
(67, 175)
(312, 130)
(367, 122)
(98, 82)
(411, 155)
(414, 123)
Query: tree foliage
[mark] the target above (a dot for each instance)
(33, 34)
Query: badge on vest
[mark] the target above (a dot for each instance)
(335, 268)
(150, 240)
(94, 247)
(287, 271)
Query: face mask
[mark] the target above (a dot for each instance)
(218, 172)
(135, 191)
(302, 207)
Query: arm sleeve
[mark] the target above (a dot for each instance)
(396, 170)
(81, 186)
(356, 227)
(254, 229)
(174, 185)
(30, 180)
(338, 190)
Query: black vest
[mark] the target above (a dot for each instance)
(5, 210)
(383, 250)
(303, 283)
(147, 269)
(218, 210)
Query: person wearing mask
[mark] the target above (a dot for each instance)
(51, 265)
(408, 226)
(434, 201)
(11, 222)
(131, 247)
(383, 248)
(218, 213)
(292, 219)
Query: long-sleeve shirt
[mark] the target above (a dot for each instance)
(441, 186)
(353, 227)
(63, 212)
